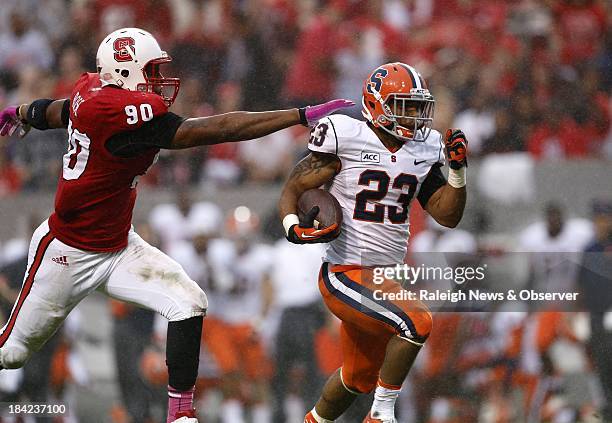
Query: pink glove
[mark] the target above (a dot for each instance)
(314, 113)
(9, 122)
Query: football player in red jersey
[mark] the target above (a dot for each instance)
(118, 120)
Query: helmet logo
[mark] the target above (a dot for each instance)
(376, 79)
(121, 49)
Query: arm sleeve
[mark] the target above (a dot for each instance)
(156, 133)
(323, 138)
(36, 115)
(66, 113)
(433, 181)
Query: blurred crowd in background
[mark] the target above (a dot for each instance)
(527, 77)
(519, 75)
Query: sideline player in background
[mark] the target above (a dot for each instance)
(117, 122)
(234, 332)
(374, 169)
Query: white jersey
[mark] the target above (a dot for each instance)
(241, 300)
(206, 269)
(555, 260)
(374, 187)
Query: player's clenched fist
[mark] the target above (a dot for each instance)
(304, 232)
(456, 148)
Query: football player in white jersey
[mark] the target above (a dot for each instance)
(374, 169)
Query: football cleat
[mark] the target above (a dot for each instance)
(310, 419)
(370, 419)
(186, 417)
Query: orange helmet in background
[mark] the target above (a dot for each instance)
(389, 92)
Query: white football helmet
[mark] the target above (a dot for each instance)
(130, 58)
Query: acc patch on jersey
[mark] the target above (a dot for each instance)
(369, 157)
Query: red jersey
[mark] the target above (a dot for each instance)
(97, 190)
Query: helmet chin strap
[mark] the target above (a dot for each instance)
(382, 120)
(398, 129)
(395, 133)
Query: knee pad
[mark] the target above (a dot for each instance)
(13, 357)
(196, 302)
(188, 302)
(363, 383)
(424, 325)
(421, 323)
(199, 301)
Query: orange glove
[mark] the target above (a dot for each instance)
(305, 233)
(456, 148)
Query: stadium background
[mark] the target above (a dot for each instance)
(528, 82)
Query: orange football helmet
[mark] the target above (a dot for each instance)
(391, 94)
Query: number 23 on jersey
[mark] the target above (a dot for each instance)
(382, 178)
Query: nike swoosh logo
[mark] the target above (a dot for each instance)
(314, 234)
(418, 163)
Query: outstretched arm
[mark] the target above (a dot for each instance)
(178, 133)
(171, 131)
(241, 126)
(232, 127)
(314, 170)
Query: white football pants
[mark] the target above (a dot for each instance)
(58, 277)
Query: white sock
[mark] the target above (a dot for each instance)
(294, 408)
(232, 412)
(319, 418)
(383, 407)
(262, 413)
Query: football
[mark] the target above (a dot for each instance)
(330, 211)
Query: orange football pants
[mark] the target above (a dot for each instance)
(236, 348)
(369, 320)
